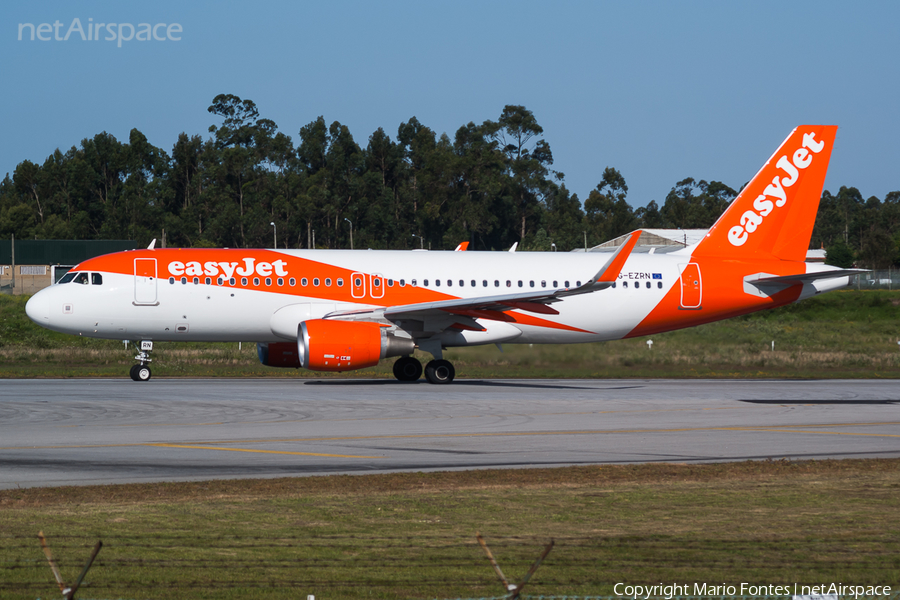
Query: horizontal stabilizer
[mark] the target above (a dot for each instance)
(804, 277)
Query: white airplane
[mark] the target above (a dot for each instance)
(339, 310)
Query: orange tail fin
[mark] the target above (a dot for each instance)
(773, 216)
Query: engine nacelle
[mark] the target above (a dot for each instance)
(326, 345)
(278, 354)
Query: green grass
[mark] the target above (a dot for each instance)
(412, 535)
(840, 334)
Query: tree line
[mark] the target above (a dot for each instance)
(492, 185)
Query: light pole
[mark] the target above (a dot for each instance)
(351, 231)
(274, 234)
(421, 239)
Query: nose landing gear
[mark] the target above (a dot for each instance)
(141, 372)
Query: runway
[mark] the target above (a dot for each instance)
(80, 432)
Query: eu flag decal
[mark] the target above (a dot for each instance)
(657, 276)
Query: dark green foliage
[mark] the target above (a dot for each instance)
(491, 185)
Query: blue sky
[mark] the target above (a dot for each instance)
(660, 91)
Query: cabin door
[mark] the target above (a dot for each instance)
(691, 286)
(145, 282)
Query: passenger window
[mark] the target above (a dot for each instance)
(184, 281)
(543, 284)
(232, 281)
(413, 283)
(376, 282)
(425, 282)
(554, 283)
(304, 282)
(614, 284)
(96, 279)
(171, 280)
(243, 281)
(648, 285)
(659, 284)
(508, 283)
(437, 282)
(531, 284)
(316, 281)
(402, 283)
(624, 284)
(484, 283)
(577, 284)
(196, 281)
(268, 281)
(520, 283)
(280, 281)
(449, 283)
(292, 281)
(567, 284)
(390, 283)
(496, 283)
(82, 278)
(220, 281)
(328, 282)
(208, 281)
(256, 281)
(340, 282)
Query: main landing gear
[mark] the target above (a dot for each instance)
(141, 372)
(408, 368)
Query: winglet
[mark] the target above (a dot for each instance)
(612, 268)
(607, 275)
(152, 244)
(462, 247)
(514, 246)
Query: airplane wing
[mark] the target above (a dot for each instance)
(493, 307)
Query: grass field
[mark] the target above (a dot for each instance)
(412, 535)
(840, 334)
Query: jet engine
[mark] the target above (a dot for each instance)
(278, 354)
(326, 345)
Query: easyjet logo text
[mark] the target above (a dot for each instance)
(247, 267)
(775, 194)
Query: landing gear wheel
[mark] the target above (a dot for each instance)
(439, 371)
(140, 372)
(407, 368)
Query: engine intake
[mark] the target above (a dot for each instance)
(326, 345)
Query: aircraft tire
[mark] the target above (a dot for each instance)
(141, 373)
(407, 368)
(439, 372)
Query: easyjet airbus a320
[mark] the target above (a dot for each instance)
(337, 310)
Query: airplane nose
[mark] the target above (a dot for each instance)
(38, 308)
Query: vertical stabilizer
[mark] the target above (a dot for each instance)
(773, 216)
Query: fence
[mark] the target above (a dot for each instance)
(186, 565)
(887, 279)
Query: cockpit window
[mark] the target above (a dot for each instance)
(81, 278)
(68, 277)
(96, 279)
